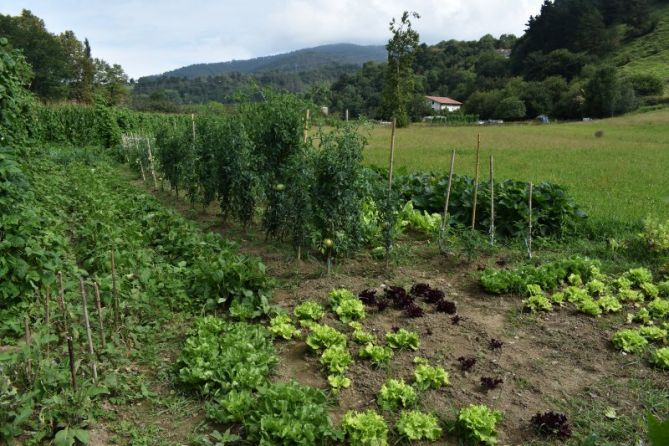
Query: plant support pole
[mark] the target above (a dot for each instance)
(151, 166)
(391, 162)
(529, 232)
(89, 336)
(476, 179)
(492, 200)
(444, 220)
(98, 307)
(117, 316)
(66, 331)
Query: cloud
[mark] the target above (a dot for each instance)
(149, 37)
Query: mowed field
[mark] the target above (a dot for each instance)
(623, 175)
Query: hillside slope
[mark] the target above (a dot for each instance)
(647, 54)
(295, 61)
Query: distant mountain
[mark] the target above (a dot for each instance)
(296, 61)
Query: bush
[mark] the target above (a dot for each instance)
(647, 85)
(510, 108)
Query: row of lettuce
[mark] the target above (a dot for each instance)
(578, 282)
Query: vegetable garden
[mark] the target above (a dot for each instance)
(372, 326)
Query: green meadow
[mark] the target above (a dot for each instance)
(622, 175)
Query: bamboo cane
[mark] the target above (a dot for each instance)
(476, 180)
(98, 307)
(87, 324)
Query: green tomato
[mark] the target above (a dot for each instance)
(279, 187)
(328, 243)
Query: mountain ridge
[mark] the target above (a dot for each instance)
(299, 60)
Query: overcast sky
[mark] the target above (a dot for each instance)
(151, 37)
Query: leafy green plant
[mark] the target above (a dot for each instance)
(659, 308)
(609, 304)
(595, 287)
(415, 425)
(365, 428)
(660, 358)
(655, 235)
(629, 341)
(379, 355)
(637, 276)
(309, 310)
(350, 309)
(650, 290)
(395, 394)
(589, 306)
(403, 340)
(428, 377)
(231, 408)
(653, 333)
(324, 336)
(336, 359)
(14, 411)
(338, 382)
(538, 302)
(363, 337)
(629, 295)
(282, 326)
(478, 423)
(220, 355)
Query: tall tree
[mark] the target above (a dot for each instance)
(399, 86)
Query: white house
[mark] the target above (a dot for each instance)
(439, 103)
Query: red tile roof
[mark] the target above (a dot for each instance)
(442, 100)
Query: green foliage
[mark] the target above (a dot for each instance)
(281, 325)
(653, 333)
(510, 108)
(589, 306)
(658, 431)
(16, 104)
(629, 341)
(363, 337)
(324, 336)
(396, 394)
(655, 235)
(288, 414)
(609, 304)
(399, 80)
(338, 382)
(365, 428)
(336, 359)
(428, 377)
(415, 425)
(231, 408)
(220, 355)
(403, 340)
(14, 410)
(350, 310)
(595, 287)
(548, 276)
(554, 211)
(660, 358)
(650, 290)
(659, 308)
(309, 310)
(478, 423)
(538, 302)
(379, 355)
(638, 276)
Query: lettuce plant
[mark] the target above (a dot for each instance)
(338, 382)
(309, 310)
(336, 359)
(363, 337)
(538, 302)
(653, 333)
(660, 358)
(575, 295)
(339, 295)
(377, 354)
(629, 341)
(365, 428)
(324, 336)
(630, 295)
(478, 423)
(428, 377)
(350, 310)
(595, 287)
(282, 326)
(403, 340)
(231, 408)
(589, 306)
(415, 425)
(650, 290)
(659, 308)
(609, 304)
(395, 394)
(637, 276)
(663, 288)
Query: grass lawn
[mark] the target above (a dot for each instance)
(622, 176)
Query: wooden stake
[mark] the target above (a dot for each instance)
(392, 157)
(87, 324)
(446, 202)
(347, 115)
(47, 297)
(192, 118)
(29, 342)
(117, 310)
(306, 127)
(141, 168)
(476, 180)
(66, 331)
(98, 307)
(151, 166)
(492, 200)
(529, 233)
